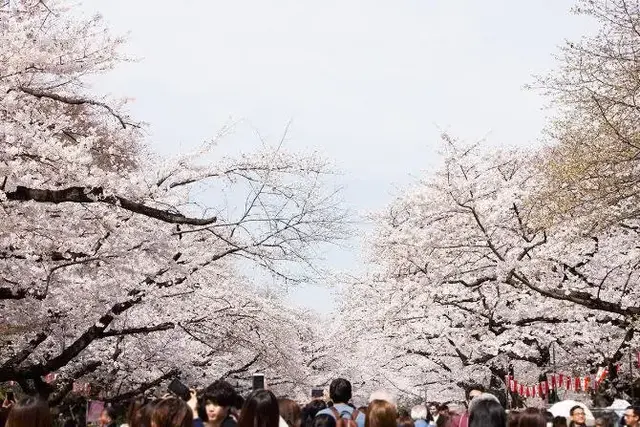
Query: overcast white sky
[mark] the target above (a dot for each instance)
(369, 83)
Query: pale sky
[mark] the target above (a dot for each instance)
(371, 84)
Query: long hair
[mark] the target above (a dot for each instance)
(260, 410)
(487, 413)
(30, 412)
(290, 412)
(171, 412)
(381, 414)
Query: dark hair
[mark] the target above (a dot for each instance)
(139, 413)
(605, 421)
(111, 413)
(487, 413)
(239, 402)
(324, 420)
(471, 387)
(310, 411)
(340, 390)
(260, 410)
(548, 416)
(532, 417)
(559, 422)
(290, 412)
(513, 418)
(443, 407)
(406, 422)
(635, 409)
(220, 393)
(443, 421)
(381, 414)
(171, 412)
(574, 408)
(30, 412)
(403, 413)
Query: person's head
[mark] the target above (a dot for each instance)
(559, 421)
(403, 413)
(532, 417)
(472, 391)
(604, 422)
(260, 410)
(482, 397)
(486, 412)
(513, 418)
(548, 416)
(363, 409)
(324, 420)
(290, 412)
(443, 409)
(107, 416)
(30, 412)
(433, 408)
(632, 416)
(381, 413)
(419, 412)
(218, 398)
(310, 411)
(405, 422)
(444, 420)
(382, 395)
(340, 390)
(578, 416)
(171, 412)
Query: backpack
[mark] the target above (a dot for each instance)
(345, 419)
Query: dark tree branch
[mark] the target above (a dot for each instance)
(76, 101)
(144, 387)
(140, 330)
(242, 368)
(64, 387)
(22, 355)
(97, 195)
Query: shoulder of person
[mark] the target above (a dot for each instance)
(229, 422)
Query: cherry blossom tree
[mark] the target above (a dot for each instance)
(467, 284)
(124, 267)
(591, 167)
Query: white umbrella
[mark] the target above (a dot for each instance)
(619, 404)
(561, 409)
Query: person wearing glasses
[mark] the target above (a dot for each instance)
(578, 417)
(632, 416)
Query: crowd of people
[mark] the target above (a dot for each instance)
(221, 406)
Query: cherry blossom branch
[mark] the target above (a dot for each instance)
(97, 195)
(64, 387)
(92, 333)
(173, 373)
(77, 101)
(140, 330)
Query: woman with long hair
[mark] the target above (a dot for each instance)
(30, 412)
(381, 413)
(260, 410)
